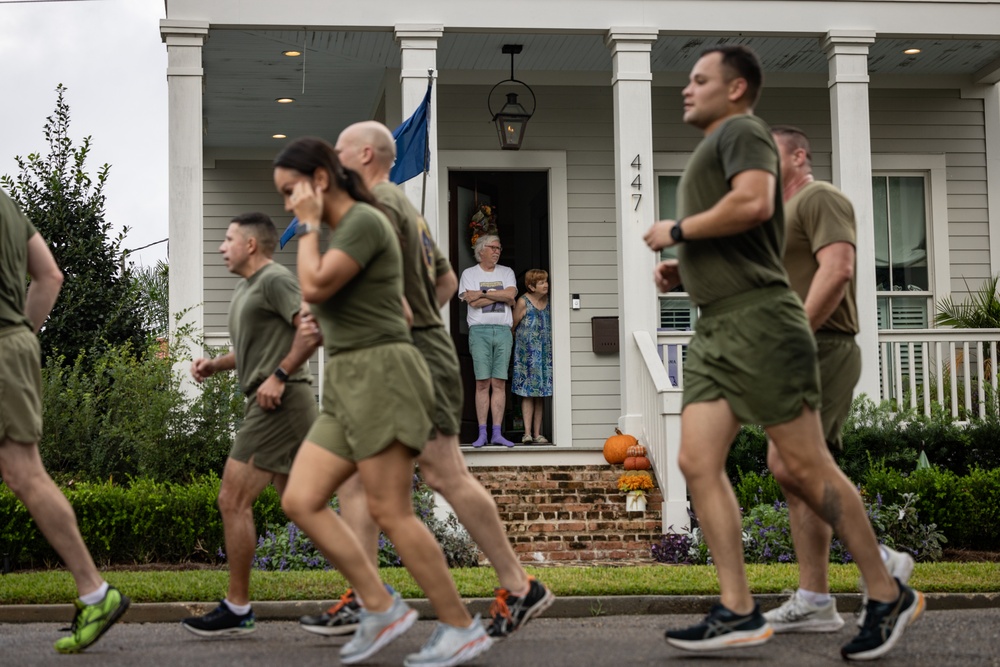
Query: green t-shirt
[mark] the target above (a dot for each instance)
(15, 230)
(367, 311)
(423, 262)
(260, 324)
(716, 268)
(818, 215)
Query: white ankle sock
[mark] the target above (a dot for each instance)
(95, 596)
(815, 599)
(238, 609)
(884, 553)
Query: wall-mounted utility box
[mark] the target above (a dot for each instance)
(604, 335)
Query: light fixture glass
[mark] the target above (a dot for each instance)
(284, 100)
(279, 136)
(911, 52)
(513, 118)
(292, 53)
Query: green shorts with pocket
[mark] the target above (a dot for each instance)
(373, 397)
(20, 385)
(490, 346)
(756, 351)
(272, 437)
(438, 350)
(839, 372)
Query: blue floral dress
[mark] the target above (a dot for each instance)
(533, 352)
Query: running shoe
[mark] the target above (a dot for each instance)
(900, 566)
(510, 612)
(798, 615)
(885, 623)
(340, 619)
(449, 646)
(91, 621)
(221, 622)
(376, 630)
(722, 629)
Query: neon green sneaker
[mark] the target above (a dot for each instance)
(93, 620)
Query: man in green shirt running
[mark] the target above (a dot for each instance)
(753, 358)
(23, 252)
(268, 355)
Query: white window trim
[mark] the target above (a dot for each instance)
(934, 169)
(668, 164)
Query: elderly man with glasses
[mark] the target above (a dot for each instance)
(490, 291)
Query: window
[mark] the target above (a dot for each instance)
(676, 310)
(902, 276)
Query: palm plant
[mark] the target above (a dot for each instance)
(980, 311)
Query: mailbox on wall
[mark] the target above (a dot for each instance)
(604, 335)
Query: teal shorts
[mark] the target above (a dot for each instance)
(490, 346)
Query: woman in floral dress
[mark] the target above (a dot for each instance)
(533, 352)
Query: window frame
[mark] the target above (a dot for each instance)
(669, 164)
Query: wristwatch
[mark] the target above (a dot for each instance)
(281, 374)
(306, 228)
(484, 291)
(676, 233)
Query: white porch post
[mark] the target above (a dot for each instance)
(418, 51)
(991, 107)
(631, 82)
(184, 40)
(847, 53)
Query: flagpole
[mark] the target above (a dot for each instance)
(427, 128)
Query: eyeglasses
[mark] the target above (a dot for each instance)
(495, 248)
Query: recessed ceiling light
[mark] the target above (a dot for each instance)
(291, 54)
(911, 52)
(285, 100)
(279, 136)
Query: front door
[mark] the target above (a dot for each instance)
(522, 209)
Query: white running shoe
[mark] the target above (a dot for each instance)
(449, 646)
(899, 564)
(376, 630)
(798, 615)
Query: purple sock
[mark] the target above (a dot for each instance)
(498, 438)
(481, 440)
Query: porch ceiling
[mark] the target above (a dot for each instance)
(245, 70)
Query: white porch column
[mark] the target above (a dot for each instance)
(418, 50)
(847, 53)
(991, 107)
(631, 82)
(184, 40)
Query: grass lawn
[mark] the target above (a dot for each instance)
(200, 585)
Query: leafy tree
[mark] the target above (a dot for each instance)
(97, 305)
(151, 284)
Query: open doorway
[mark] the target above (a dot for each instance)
(521, 199)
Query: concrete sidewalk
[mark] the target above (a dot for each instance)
(563, 607)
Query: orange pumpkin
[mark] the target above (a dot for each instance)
(637, 463)
(636, 450)
(616, 447)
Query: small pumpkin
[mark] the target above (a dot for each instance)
(616, 447)
(637, 463)
(636, 450)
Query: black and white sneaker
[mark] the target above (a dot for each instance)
(510, 612)
(340, 619)
(220, 622)
(885, 623)
(722, 629)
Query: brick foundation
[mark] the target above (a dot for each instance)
(571, 514)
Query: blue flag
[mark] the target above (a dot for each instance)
(412, 152)
(289, 232)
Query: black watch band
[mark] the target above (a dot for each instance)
(676, 233)
(280, 373)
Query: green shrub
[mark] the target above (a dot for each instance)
(754, 489)
(748, 453)
(145, 522)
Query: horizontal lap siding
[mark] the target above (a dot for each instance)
(579, 121)
(940, 121)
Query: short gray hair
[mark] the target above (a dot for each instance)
(481, 243)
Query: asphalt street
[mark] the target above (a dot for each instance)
(967, 637)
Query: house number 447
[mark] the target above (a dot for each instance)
(636, 184)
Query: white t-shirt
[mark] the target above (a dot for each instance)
(475, 279)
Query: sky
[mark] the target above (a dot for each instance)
(109, 55)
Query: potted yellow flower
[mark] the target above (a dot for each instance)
(634, 484)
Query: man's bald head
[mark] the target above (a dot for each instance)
(368, 141)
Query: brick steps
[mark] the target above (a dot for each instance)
(571, 514)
